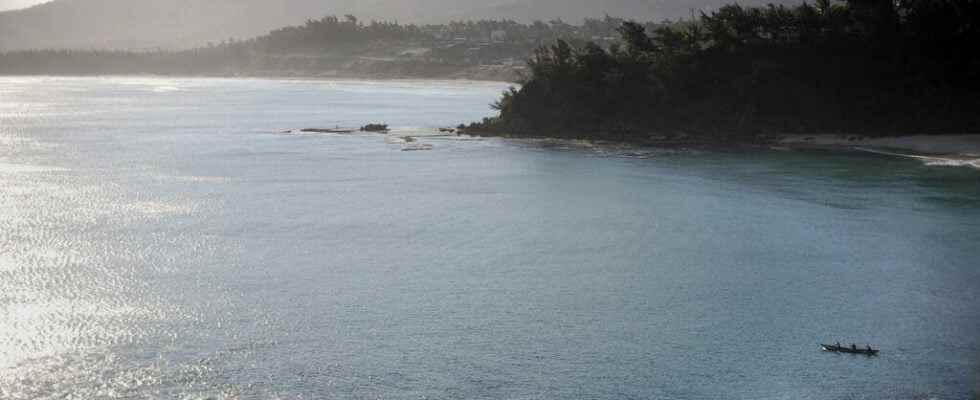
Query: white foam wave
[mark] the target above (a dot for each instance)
(954, 163)
(166, 89)
(23, 168)
(932, 161)
(194, 179)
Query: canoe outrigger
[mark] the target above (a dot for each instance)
(837, 348)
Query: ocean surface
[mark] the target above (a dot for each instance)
(165, 238)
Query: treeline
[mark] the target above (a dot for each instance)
(864, 66)
(333, 38)
(330, 31)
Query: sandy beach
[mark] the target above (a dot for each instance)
(933, 150)
(949, 145)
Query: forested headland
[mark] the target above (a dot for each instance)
(858, 66)
(877, 67)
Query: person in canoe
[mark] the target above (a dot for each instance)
(854, 347)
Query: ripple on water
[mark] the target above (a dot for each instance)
(72, 290)
(7, 262)
(97, 375)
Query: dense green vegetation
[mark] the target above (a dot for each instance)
(864, 66)
(327, 44)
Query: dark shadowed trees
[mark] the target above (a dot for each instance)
(867, 66)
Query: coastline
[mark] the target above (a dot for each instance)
(482, 73)
(939, 149)
(953, 150)
(485, 73)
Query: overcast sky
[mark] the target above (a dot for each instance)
(15, 4)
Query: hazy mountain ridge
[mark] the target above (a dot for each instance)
(147, 24)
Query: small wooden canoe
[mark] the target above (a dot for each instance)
(849, 350)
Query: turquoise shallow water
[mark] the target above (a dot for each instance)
(160, 238)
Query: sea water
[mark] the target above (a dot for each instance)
(179, 239)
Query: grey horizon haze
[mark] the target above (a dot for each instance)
(174, 24)
(18, 4)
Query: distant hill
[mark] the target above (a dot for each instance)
(137, 24)
(173, 24)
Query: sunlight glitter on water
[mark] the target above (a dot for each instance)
(58, 295)
(21, 168)
(47, 327)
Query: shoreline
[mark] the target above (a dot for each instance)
(955, 145)
(297, 78)
(473, 75)
(939, 149)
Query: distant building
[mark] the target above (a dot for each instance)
(498, 36)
